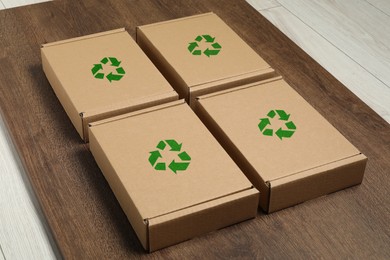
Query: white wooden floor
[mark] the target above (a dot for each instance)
(15, 3)
(349, 38)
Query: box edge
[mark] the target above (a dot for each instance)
(314, 183)
(224, 212)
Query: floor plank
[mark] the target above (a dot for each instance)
(368, 88)
(2, 257)
(383, 5)
(352, 26)
(263, 4)
(22, 235)
(16, 3)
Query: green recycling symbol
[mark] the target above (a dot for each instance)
(112, 76)
(281, 133)
(175, 165)
(193, 47)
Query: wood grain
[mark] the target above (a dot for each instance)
(2, 257)
(84, 216)
(382, 5)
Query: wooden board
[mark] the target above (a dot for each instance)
(82, 212)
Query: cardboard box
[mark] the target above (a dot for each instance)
(200, 54)
(283, 145)
(102, 75)
(171, 177)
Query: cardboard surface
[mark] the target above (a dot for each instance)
(308, 147)
(168, 44)
(69, 67)
(209, 185)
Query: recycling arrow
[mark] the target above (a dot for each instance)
(160, 167)
(209, 52)
(284, 133)
(212, 49)
(174, 145)
(208, 38)
(161, 145)
(97, 69)
(184, 156)
(114, 61)
(175, 165)
(281, 133)
(112, 77)
(154, 157)
(282, 115)
(263, 123)
(192, 46)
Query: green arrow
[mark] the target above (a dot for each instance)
(291, 125)
(271, 114)
(114, 62)
(99, 76)
(282, 115)
(216, 45)
(104, 60)
(268, 132)
(284, 133)
(263, 123)
(154, 157)
(161, 145)
(174, 145)
(208, 38)
(96, 68)
(112, 77)
(209, 52)
(192, 46)
(198, 38)
(160, 166)
(120, 70)
(184, 156)
(197, 52)
(174, 166)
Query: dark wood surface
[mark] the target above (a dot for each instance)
(85, 219)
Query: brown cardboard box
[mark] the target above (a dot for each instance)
(222, 59)
(102, 75)
(171, 177)
(283, 145)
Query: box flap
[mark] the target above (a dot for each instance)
(129, 142)
(234, 59)
(85, 37)
(124, 107)
(309, 141)
(138, 112)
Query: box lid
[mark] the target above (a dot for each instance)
(174, 39)
(130, 144)
(83, 66)
(301, 139)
